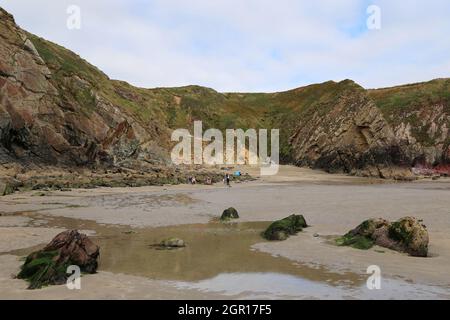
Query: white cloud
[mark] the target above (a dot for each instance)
(250, 45)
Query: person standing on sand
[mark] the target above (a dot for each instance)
(227, 179)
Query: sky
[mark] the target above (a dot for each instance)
(249, 45)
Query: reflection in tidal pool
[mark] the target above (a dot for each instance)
(219, 258)
(212, 249)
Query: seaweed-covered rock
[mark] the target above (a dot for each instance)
(8, 186)
(173, 243)
(405, 235)
(368, 227)
(411, 235)
(230, 213)
(49, 265)
(5, 188)
(361, 236)
(281, 229)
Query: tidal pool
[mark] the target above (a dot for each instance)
(219, 258)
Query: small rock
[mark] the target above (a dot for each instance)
(280, 230)
(316, 235)
(173, 243)
(230, 213)
(39, 194)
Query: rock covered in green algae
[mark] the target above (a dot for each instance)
(49, 265)
(8, 185)
(412, 236)
(281, 229)
(405, 235)
(173, 243)
(361, 236)
(5, 189)
(230, 213)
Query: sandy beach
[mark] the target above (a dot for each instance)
(332, 205)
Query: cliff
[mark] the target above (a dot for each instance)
(58, 110)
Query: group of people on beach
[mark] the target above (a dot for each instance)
(208, 181)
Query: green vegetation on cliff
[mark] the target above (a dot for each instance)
(417, 104)
(92, 120)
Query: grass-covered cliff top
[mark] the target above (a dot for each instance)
(179, 107)
(397, 100)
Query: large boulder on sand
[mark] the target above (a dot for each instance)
(49, 265)
(230, 213)
(405, 235)
(280, 230)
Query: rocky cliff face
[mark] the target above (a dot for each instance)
(383, 133)
(52, 111)
(350, 134)
(419, 115)
(57, 109)
(24, 91)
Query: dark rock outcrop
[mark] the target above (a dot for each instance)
(8, 185)
(5, 188)
(348, 133)
(49, 265)
(56, 109)
(228, 214)
(281, 229)
(405, 235)
(419, 115)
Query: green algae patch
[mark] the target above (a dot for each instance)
(281, 229)
(357, 242)
(42, 269)
(411, 236)
(397, 231)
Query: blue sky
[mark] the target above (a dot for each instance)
(250, 45)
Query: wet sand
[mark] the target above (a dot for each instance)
(332, 204)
